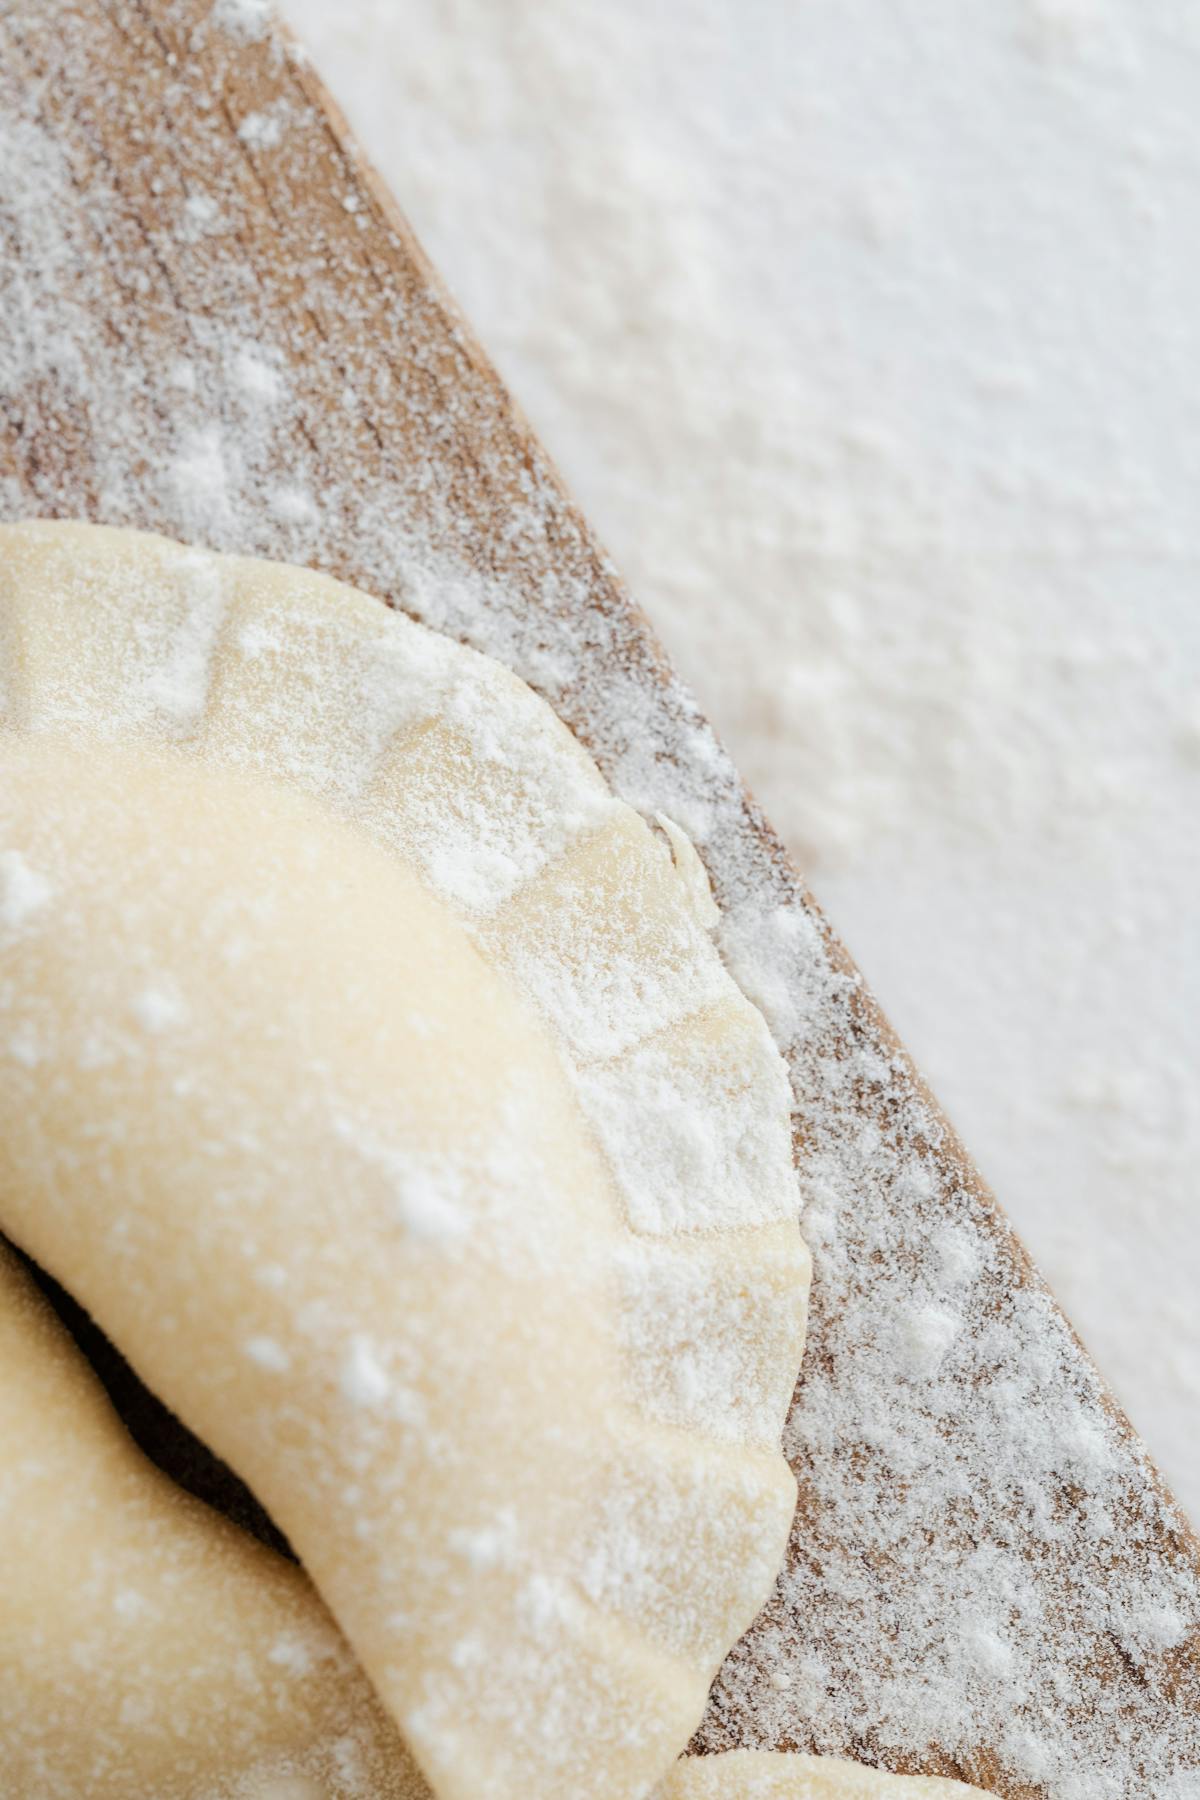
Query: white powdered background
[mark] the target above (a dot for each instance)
(869, 337)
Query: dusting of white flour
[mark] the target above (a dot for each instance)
(867, 336)
(23, 890)
(983, 1561)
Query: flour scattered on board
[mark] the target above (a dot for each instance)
(246, 19)
(986, 1560)
(923, 542)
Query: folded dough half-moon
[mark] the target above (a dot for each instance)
(368, 1073)
(149, 1650)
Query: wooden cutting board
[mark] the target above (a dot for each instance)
(214, 322)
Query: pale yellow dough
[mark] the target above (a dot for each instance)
(767, 1775)
(367, 1071)
(149, 1650)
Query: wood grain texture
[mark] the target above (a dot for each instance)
(164, 264)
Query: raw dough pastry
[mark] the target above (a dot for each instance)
(367, 1071)
(149, 1650)
(767, 1775)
